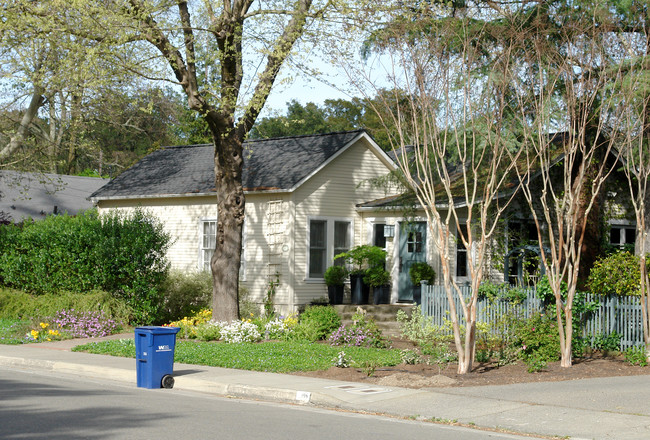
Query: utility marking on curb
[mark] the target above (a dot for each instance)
(303, 396)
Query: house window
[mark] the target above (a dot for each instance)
(341, 240)
(208, 242)
(521, 233)
(622, 236)
(327, 238)
(461, 252)
(414, 242)
(317, 248)
(378, 236)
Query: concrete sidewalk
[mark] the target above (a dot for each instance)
(603, 408)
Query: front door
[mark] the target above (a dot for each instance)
(412, 249)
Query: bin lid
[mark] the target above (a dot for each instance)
(157, 330)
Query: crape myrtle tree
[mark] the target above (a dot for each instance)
(632, 136)
(225, 55)
(570, 110)
(562, 57)
(451, 137)
(633, 143)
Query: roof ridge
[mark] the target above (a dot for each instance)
(358, 130)
(248, 141)
(168, 147)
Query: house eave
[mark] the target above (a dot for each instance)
(96, 200)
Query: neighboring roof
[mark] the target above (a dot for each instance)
(280, 164)
(35, 195)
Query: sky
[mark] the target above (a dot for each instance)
(304, 88)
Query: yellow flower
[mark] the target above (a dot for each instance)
(35, 334)
(44, 325)
(54, 332)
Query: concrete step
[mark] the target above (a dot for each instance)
(385, 315)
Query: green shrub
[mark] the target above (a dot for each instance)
(538, 339)
(120, 254)
(367, 324)
(184, 294)
(504, 291)
(636, 356)
(247, 308)
(335, 275)
(15, 304)
(418, 328)
(536, 362)
(421, 271)
(317, 322)
(607, 343)
(618, 273)
(362, 257)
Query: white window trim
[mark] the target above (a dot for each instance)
(244, 242)
(329, 253)
(201, 263)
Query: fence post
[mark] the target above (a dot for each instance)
(425, 296)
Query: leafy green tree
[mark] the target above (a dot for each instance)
(333, 116)
(225, 55)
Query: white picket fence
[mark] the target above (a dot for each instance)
(615, 314)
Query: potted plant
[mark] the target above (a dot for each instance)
(335, 278)
(419, 272)
(379, 279)
(361, 258)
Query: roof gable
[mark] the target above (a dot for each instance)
(279, 164)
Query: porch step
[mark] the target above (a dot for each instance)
(385, 315)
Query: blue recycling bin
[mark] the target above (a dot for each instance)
(154, 356)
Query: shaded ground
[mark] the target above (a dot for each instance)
(426, 376)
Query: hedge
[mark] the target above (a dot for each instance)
(119, 253)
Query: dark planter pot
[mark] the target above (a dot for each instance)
(335, 294)
(360, 291)
(417, 295)
(381, 295)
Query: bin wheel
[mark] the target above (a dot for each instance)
(168, 381)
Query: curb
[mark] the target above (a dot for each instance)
(116, 374)
(182, 383)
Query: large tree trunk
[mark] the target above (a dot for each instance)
(226, 260)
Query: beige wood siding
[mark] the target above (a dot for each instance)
(333, 193)
(269, 248)
(181, 219)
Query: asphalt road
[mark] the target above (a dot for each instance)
(47, 406)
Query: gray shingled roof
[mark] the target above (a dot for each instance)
(269, 164)
(35, 195)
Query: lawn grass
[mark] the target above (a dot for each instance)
(279, 357)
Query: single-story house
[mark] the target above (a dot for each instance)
(302, 195)
(37, 195)
(309, 198)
